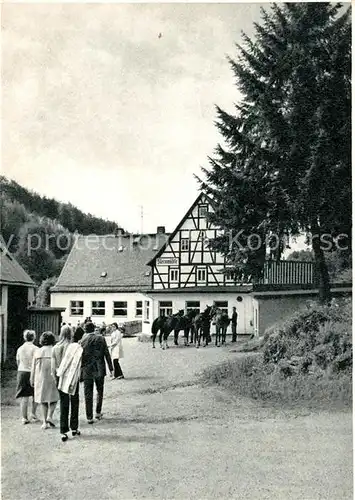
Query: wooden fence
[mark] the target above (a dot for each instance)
(45, 319)
(132, 327)
(288, 272)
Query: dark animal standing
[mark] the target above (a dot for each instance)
(222, 321)
(171, 325)
(165, 325)
(201, 327)
(158, 327)
(184, 323)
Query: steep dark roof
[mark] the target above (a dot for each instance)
(11, 273)
(123, 259)
(172, 235)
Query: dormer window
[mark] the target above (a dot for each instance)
(103, 274)
(202, 211)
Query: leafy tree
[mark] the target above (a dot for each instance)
(338, 263)
(301, 255)
(43, 295)
(12, 216)
(285, 166)
(66, 214)
(41, 250)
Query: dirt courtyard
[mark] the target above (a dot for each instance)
(165, 437)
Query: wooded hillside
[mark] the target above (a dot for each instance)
(30, 219)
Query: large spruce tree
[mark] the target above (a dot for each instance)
(285, 164)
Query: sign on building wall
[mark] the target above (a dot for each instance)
(167, 261)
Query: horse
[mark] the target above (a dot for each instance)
(158, 326)
(172, 322)
(184, 323)
(222, 321)
(165, 325)
(201, 326)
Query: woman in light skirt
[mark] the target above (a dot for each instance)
(45, 389)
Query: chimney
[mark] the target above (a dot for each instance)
(161, 230)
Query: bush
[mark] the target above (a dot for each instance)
(321, 333)
(307, 358)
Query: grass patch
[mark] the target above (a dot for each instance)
(248, 376)
(253, 345)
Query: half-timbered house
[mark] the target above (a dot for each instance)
(187, 274)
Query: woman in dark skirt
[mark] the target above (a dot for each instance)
(24, 390)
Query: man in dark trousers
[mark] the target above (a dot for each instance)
(234, 324)
(93, 369)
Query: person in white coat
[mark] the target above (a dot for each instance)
(66, 366)
(117, 349)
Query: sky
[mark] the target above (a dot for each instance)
(101, 111)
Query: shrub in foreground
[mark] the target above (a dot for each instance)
(308, 358)
(316, 337)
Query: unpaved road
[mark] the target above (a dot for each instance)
(163, 438)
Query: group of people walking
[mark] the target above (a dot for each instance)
(54, 370)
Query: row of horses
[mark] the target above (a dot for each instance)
(195, 325)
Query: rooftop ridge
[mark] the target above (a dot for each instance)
(126, 235)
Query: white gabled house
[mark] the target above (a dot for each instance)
(106, 278)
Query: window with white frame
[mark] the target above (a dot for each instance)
(185, 244)
(174, 275)
(76, 308)
(120, 308)
(98, 308)
(147, 309)
(202, 210)
(139, 308)
(222, 304)
(165, 308)
(201, 274)
(191, 305)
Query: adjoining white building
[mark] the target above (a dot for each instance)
(107, 277)
(136, 277)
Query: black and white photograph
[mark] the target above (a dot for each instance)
(176, 251)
